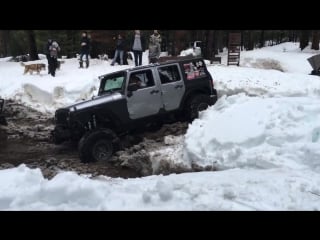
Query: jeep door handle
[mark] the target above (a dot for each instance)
(154, 91)
(178, 86)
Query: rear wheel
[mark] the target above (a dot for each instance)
(195, 105)
(97, 145)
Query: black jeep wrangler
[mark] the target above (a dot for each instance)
(134, 99)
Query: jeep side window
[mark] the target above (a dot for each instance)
(143, 79)
(169, 74)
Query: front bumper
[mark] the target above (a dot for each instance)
(60, 134)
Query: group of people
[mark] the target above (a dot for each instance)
(138, 47)
(52, 49)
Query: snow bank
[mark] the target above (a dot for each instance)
(274, 189)
(256, 82)
(285, 57)
(187, 52)
(255, 132)
(46, 93)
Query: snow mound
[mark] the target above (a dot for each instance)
(188, 52)
(235, 189)
(255, 132)
(257, 82)
(263, 63)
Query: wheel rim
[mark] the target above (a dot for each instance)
(202, 106)
(102, 150)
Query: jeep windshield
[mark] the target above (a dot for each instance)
(112, 83)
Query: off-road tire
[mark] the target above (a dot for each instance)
(97, 145)
(196, 104)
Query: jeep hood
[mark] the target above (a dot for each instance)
(94, 102)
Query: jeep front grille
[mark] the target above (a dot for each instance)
(61, 116)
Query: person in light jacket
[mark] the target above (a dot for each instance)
(138, 47)
(54, 49)
(154, 47)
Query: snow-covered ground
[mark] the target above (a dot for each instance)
(263, 140)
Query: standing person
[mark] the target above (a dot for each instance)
(119, 50)
(54, 48)
(138, 47)
(85, 49)
(154, 47)
(47, 52)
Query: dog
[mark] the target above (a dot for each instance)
(36, 67)
(103, 57)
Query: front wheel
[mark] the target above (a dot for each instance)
(195, 105)
(97, 145)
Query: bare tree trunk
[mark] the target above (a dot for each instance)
(315, 40)
(32, 45)
(219, 34)
(261, 44)
(215, 42)
(250, 40)
(209, 49)
(304, 39)
(242, 40)
(5, 43)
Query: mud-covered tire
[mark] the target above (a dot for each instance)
(195, 105)
(97, 145)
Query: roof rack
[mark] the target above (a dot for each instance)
(167, 59)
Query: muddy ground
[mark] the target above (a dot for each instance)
(26, 140)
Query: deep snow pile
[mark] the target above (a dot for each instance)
(286, 57)
(256, 82)
(237, 189)
(46, 93)
(255, 132)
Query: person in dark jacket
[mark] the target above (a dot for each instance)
(120, 45)
(138, 47)
(47, 52)
(85, 49)
(54, 49)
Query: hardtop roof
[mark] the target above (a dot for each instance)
(168, 61)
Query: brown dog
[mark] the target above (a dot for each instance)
(36, 67)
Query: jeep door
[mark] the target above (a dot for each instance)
(172, 86)
(146, 99)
